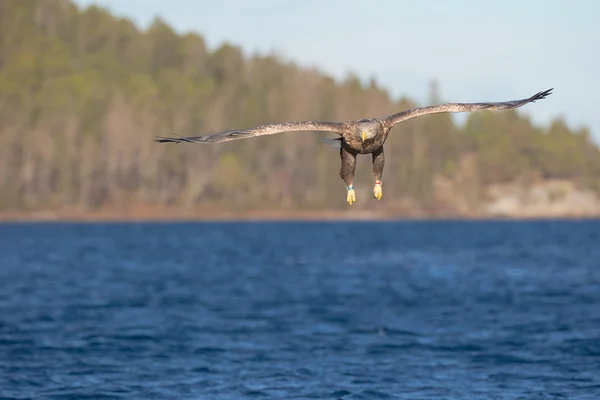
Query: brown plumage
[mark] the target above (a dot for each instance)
(363, 136)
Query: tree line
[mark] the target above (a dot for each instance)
(84, 93)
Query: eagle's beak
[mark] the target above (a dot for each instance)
(364, 136)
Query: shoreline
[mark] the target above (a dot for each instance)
(167, 215)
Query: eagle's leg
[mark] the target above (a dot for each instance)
(378, 162)
(347, 173)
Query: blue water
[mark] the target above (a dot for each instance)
(413, 310)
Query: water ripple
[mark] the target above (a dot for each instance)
(414, 310)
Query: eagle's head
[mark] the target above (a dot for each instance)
(367, 129)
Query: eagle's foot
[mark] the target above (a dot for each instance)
(351, 196)
(377, 190)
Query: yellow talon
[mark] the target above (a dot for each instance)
(377, 191)
(351, 197)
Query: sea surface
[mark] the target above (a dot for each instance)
(300, 310)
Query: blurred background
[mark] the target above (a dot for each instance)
(85, 86)
(406, 309)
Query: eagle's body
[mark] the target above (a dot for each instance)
(363, 136)
(376, 135)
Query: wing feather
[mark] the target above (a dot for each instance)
(394, 119)
(262, 130)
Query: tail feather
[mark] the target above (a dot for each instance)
(335, 143)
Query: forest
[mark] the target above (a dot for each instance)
(84, 93)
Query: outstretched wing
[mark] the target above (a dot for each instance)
(394, 119)
(262, 130)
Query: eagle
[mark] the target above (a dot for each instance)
(362, 136)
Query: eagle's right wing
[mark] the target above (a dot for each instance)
(262, 130)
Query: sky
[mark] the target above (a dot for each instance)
(476, 50)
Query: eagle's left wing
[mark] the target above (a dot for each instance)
(394, 119)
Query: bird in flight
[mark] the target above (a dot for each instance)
(363, 136)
